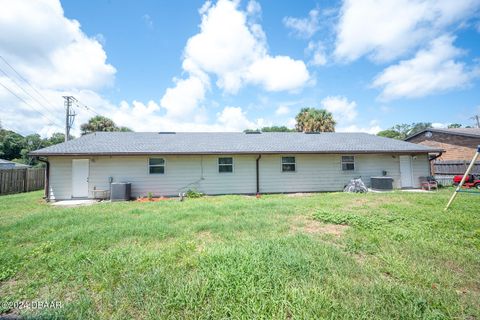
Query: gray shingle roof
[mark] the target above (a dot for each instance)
(467, 132)
(109, 143)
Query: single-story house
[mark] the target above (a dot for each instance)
(6, 164)
(167, 163)
(459, 143)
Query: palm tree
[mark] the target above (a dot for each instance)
(315, 120)
(101, 123)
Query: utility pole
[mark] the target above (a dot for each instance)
(69, 115)
(477, 119)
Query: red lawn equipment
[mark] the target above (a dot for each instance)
(471, 181)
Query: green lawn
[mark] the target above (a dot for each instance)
(331, 255)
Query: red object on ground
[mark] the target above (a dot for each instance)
(472, 181)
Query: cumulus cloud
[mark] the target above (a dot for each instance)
(233, 49)
(318, 53)
(39, 40)
(343, 111)
(52, 53)
(385, 30)
(373, 128)
(345, 114)
(304, 27)
(282, 110)
(431, 70)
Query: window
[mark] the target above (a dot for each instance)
(225, 165)
(348, 163)
(156, 165)
(288, 164)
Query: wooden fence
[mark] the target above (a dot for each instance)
(447, 169)
(21, 180)
(454, 167)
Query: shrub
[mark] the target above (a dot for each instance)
(191, 193)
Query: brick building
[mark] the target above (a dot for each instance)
(459, 143)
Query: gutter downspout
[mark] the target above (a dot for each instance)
(258, 173)
(47, 180)
(431, 164)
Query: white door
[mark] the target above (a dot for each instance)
(80, 178)
(406, 171)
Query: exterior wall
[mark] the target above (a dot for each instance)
(323, 172)
(313, 173)
(457, 147)
(420, 168)
(60, 180)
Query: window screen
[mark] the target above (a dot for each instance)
(156, 165)
(288, 164)
(348, 163)
(225, 165)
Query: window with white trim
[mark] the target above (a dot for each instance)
(225, 165)
(348, 163)
(156, 165)
(288, 164)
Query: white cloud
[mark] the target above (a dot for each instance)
(234, 119)
(254, 8)
(318, 53)
(432, 70)
(183, 99)
(439, 125)
(37, 40)
(304, 27)
(385, 30)
(282, 110)
(147, 19)
(373, 128)
(343, 111)
(231, 47)
(278, 73)
(345, 114)
(235, 51)
(40, 41)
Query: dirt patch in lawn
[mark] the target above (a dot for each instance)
(307, 225)
(299, 194)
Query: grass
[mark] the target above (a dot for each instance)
(332, 256)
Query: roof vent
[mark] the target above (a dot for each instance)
(253, 132)
(166, 132)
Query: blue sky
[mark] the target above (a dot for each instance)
(226, 66)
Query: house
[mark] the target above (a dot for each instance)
(459, 143)
(166, 163)
(6, 164)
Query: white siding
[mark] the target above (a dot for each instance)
(420, 168)
(323, 172)
(60, 182)
(313, 173)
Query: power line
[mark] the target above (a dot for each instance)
(25, 80)
(69, 115)
(24, 90)
(477, 119)
(81, 104)
(23, 100)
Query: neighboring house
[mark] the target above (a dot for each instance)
(459, 143)
(167, 163)
(5, 164)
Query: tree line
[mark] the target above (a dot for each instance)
(15, 147)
